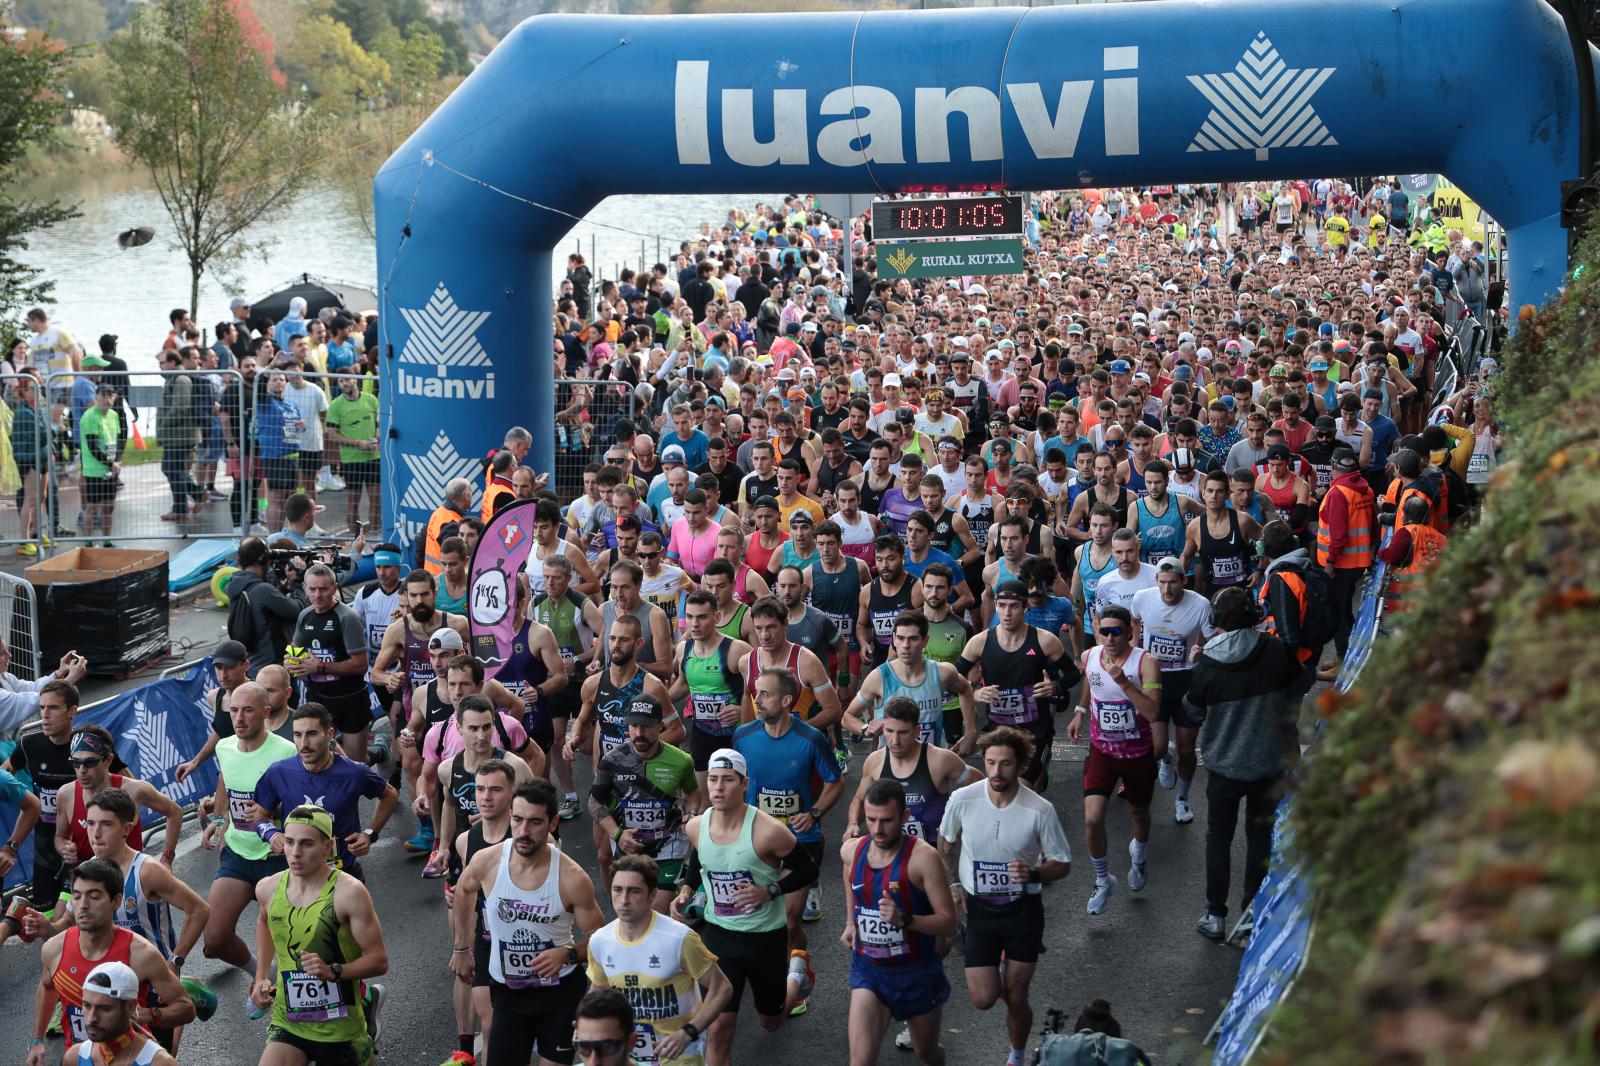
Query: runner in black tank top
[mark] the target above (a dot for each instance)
(871, 498)
(610, 707)
(944, 534)
(797, 453)
(829, 476)
(462, 791)
(881, 610)
(438, 708)
(1015, 673)
(924, 802)
(1227, 559)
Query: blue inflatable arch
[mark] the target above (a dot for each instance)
(571, 109)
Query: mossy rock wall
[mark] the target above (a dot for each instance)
(1450, 816)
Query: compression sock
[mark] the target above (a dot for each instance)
(1183, 788)
(466, 1041)
(1136, 850)
(1102, 867)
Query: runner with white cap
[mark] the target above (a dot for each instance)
(110, 994)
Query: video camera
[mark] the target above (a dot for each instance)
(286, 567)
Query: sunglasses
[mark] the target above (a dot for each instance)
(84, 764)
(650, 555)
(1112, 631)
(599, 1047)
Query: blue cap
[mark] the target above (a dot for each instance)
(1326, 329)
(1226, 399)
(1183, 372)
(1120, 366)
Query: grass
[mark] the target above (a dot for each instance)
(1451, 817)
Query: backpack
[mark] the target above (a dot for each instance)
(1317, 628)
(1088, 1049)
(241, 619)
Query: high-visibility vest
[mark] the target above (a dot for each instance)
(491, 496)
(1360, 528)
(1297, 591)
(1427, 545)
(1438, 510)
(432, 558)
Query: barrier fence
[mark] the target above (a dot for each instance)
(19, 625)
(587, 413)
(150, 466)
(313, 433)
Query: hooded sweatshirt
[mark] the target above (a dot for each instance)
(1240, 687)
(1279, 603)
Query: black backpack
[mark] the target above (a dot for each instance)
(241, 619)
(1316, 629)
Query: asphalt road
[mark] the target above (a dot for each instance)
(1166, 983)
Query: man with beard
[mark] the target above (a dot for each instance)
(111, 1037)
(884, 599)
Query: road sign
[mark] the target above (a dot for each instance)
(948, 259)
(956, 216)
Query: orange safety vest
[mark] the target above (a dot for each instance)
(1297, 589)
(1360, 525)
(1438, 512)
(432, 558)
(1427, 545)
(491, 496)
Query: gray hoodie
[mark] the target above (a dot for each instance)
(1241, 687)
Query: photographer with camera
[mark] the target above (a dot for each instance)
(262, 611)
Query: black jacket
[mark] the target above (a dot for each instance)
(272, 617)
(1240, 688)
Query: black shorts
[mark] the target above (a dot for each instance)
(1285, 227)
(364, 472)
(282, 473)
(535, 1017)
(1174, 687)
(702, 745)
(1247, 225)
(98, 490)
(325, 1052)
(49, 879)
(1015, 930)
(480, 961)
(761, 959)
(351, 714)
(308, 463)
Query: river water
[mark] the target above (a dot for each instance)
(102, 289)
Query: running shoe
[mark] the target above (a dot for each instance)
(842, 754)
(27, 549)
(902, 1040)
(216, 497)
(435, 867)
(569, 808)
(1136, 877)
(422, 843)
(1181, 812)
(374, 1010)
(813, 911)
(204, 1000)
(1102, 892)
(47, 542)
(1210, 925)
(1169, 771)
(460, 1058)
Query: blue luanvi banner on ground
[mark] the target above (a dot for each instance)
(156, 726)
(1282, 929)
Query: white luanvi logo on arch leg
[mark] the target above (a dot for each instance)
(433, 470)
(1261, 104)
(442, 334)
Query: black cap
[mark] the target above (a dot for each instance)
(1279, 451)
(766, 503)
(1011, 589)
(108, 342)
(1344, 459)
(644, 708)
(230, 653)
(1327, 424)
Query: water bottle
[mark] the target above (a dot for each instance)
(695, 909)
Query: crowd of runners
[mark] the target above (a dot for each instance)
(937, 528)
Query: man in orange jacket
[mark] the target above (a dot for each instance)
(1347, 539)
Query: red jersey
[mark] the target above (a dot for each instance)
(74, 969)
(80, 835)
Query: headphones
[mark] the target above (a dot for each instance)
(1255, 613)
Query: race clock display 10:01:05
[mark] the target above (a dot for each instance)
(978, 216)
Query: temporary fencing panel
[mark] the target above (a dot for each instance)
(152, 466)
(19, 624)
(314, 434)
(587, 413)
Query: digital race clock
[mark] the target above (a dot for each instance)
(975, 216)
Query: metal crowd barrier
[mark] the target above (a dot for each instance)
(170, 445)
(587, 413)
(19, 625)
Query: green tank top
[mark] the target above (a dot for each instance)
(945, 641)
(563, 620)
(327, 1011)
(709, 687)
(730, 628)
(724, 867)
(240, 772)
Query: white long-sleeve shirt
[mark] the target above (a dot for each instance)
(19, 701)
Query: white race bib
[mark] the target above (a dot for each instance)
(876, 938)
(992, 882)
(1116, 717)
(311, 999)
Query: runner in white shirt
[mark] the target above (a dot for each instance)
(1006, 841)
(1172, 623)
(1129, 578)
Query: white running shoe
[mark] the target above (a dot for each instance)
(1102, 892)
(1136, 877)
(902, 1040)
(1181, 812)
(1169, 771)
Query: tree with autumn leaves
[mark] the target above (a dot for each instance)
(198, 99)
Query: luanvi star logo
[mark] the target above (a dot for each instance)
(1261, 104)
(433, 470)
(901, 260)
(442, 334)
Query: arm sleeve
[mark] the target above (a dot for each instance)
(799, 871)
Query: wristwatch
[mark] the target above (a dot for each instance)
(11, 846)
(773, 891)
(692, 1031)
(177, 961)
(338, 970)
(370, 833)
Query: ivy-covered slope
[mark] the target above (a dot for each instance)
(1450, 815)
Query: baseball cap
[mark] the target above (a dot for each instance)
(1278, 371)
(1183, 459)
(229, 653)
(238, 303)
(1343, 459)
(1075, 330)
(1325, 330)
(1233, 346)
(94, 362)
(891, 381)
(766, 503)
(114, 979)
(1170, 565)
(801, 517)
(644, 708)
(445, 639)
(315, 817)
(1119, 366)
(1326, 424)
(982, 323)
(672, 454)
(1011, 589)
(808, 327)
(1183, 372)
(728, 759)
(1278, 451)
(958, 342)
(108, 341)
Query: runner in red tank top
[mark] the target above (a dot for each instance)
(90, 755)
